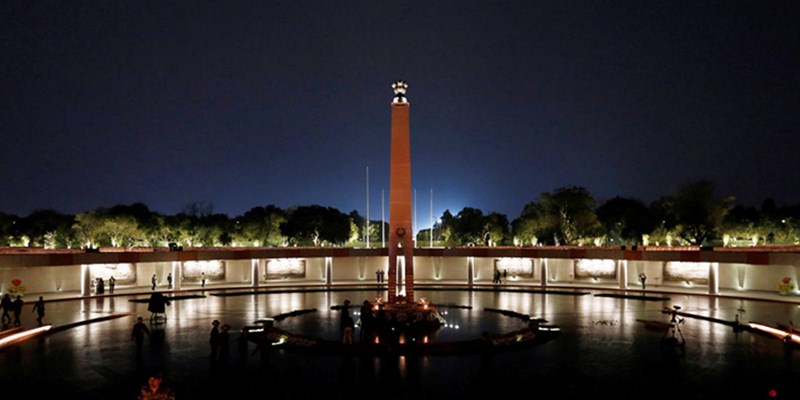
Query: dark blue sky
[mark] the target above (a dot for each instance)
(288, 102)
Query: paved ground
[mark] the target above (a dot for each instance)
(606, 346)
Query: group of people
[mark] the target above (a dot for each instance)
(154, 281)
(368, 318)
(380, 275)
(11, 307)
(14, 307)
(498, 277)
(219, 342)
(100, 285)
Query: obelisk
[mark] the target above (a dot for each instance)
(400, 230)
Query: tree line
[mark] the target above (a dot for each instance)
(567, 216)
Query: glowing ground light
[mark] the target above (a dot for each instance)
(773, 393)
(776, 332)
(20, 336)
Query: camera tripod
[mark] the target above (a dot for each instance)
(673, 336)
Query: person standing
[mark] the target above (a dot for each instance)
(6, 305)
(138, 333)
(38, 308)
(213, 340)
(17, 307)
(169, 280)
(367, 318)
(111, 283)
(202, 279)
(153, 281)
(346, 324)
(643, 279)
(244, 352)
(224, 344)
(101, 286)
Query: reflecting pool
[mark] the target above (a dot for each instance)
(606, 347)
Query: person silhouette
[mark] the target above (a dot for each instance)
(17, 308)
(224, 343)
(38, 308)
(111, 283)
(138, 333)
(346, 324)
(213, 340)
(6, 305)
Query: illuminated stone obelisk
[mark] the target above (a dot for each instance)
(400, 229)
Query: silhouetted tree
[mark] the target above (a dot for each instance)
(468, 226)
(698, 212)
(260, 226)
(568, 214)
(7, 227)
(742, 224)
(316, 225)
(47, 228)
(496, 229)
(625, 220)
(529, 227)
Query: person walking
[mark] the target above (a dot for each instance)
(203, 279)
(169, 280)
(6, 305)
(138, 333)
(17, 308)
(643, 279)
(153, 281)
(38, 308)
(111, 283)
(213, 340)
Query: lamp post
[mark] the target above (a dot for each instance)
(431, 219)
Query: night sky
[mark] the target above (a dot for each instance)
(245, 104)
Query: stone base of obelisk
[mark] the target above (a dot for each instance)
(413, 318)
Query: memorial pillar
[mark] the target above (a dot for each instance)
(713, 278)
(543, 271)
(177, 275)
(622, 273)
(401, 232)
(86, 280)
(254, 263)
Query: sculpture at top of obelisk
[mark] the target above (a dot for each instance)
(401, 234)
(400, 86)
